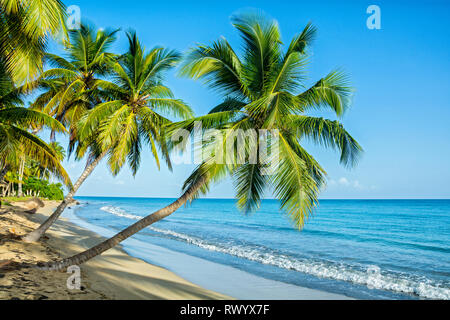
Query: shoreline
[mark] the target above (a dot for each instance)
(125, 272)
(233, 282)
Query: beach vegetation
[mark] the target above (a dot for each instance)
(17, 143)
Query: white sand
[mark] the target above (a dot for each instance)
(118, 275)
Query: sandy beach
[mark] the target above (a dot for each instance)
(118, 275)
(113, 275)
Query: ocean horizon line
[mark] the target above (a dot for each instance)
(209, 198)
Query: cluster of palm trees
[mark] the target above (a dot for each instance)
(113, 105)
(26, 176)
(25, 29)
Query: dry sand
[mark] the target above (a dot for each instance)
(113, 275)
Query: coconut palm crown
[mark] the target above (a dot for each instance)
(137, 108)
(264, 88)
(70, 85)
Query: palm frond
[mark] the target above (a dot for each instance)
(171, 107)
(91, 120)
(262, 41)
(293, 185)
(329, 134)
(332, 91)
(230, 104)
(128, 131)
(249, 185)
(26, 117)
(218, 66)
(26, 26)
(302, 41)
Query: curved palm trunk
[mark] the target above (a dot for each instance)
(126, 233)
(21, 170)
(39, 232)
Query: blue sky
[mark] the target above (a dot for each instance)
(401, 108)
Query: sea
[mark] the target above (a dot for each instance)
(363, 249)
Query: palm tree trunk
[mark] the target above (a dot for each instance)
(4, 172)
(39, 232)
(128, 232)
(2, 175)
(10, 186)
(5, 192)
(21, 170)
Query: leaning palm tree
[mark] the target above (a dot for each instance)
(129, 118)
(25, 28)
(71, 88)
(261, 91)
(137, 106)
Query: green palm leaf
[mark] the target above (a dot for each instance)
(26, 26)
(332, 91)
(261, 93)
(329, 134)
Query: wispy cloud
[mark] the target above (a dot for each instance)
(351, 184)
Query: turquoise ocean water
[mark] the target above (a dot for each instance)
(366, 249)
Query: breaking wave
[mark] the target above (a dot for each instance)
(370, 276)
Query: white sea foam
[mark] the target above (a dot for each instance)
(377, 279)
(120, 212)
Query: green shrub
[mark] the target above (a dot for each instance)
(51, 191)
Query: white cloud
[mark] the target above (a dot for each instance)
(348, 183)
(344, 181)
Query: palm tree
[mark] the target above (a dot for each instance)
(71, 88)
(25, 28)
(137, 100)
(34, 168)
(130, 117)
(16, 142)
(261, 92)
(59, 150)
